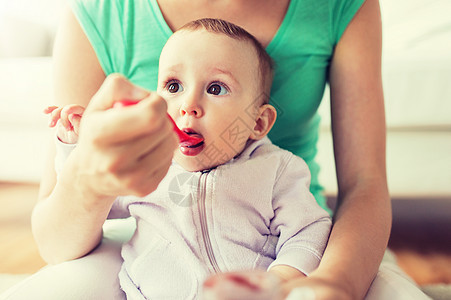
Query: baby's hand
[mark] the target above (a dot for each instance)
(67, 121)
(254, 284)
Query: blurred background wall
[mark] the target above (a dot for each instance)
(416, 77)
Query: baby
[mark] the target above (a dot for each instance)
(233, 201)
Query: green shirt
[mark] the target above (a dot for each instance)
(128, 35)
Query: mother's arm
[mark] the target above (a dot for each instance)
(120, 152)
(362, 219)
(77, 75)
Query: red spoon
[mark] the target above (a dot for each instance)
(183, 136)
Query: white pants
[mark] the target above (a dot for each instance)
(95, 276)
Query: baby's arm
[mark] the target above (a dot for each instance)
(66, 119)
(301, 225)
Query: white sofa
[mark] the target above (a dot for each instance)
(416, 75)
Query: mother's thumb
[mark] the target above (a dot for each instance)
(115, 88)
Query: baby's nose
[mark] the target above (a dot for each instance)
(191, 107)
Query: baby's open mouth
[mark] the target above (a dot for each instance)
(194, 143)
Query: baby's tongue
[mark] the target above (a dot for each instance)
(190, 143)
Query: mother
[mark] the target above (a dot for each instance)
(311, 42)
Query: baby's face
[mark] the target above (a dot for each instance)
(211, 84)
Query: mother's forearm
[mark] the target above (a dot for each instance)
(68, 223)
(358, 239)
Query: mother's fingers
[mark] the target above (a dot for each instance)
(316, 287)
(141, 175)
(127, 157)
(126, 150)
(121, 125)
(141, 146)
(115, 88)
(149, 171)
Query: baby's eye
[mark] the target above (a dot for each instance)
(174, 87)
(217, 89)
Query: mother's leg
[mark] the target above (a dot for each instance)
(94, 276)
(91, 277)
(392, 283)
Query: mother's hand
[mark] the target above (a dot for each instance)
(314, 288)
(123, 151)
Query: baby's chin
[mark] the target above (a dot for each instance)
(195, 166)
(196, 163)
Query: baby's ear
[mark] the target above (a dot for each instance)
(264, 121)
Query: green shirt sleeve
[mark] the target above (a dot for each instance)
(342, 12)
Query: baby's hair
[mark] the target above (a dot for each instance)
(236, 32)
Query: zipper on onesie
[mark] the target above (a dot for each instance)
(202, 191)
